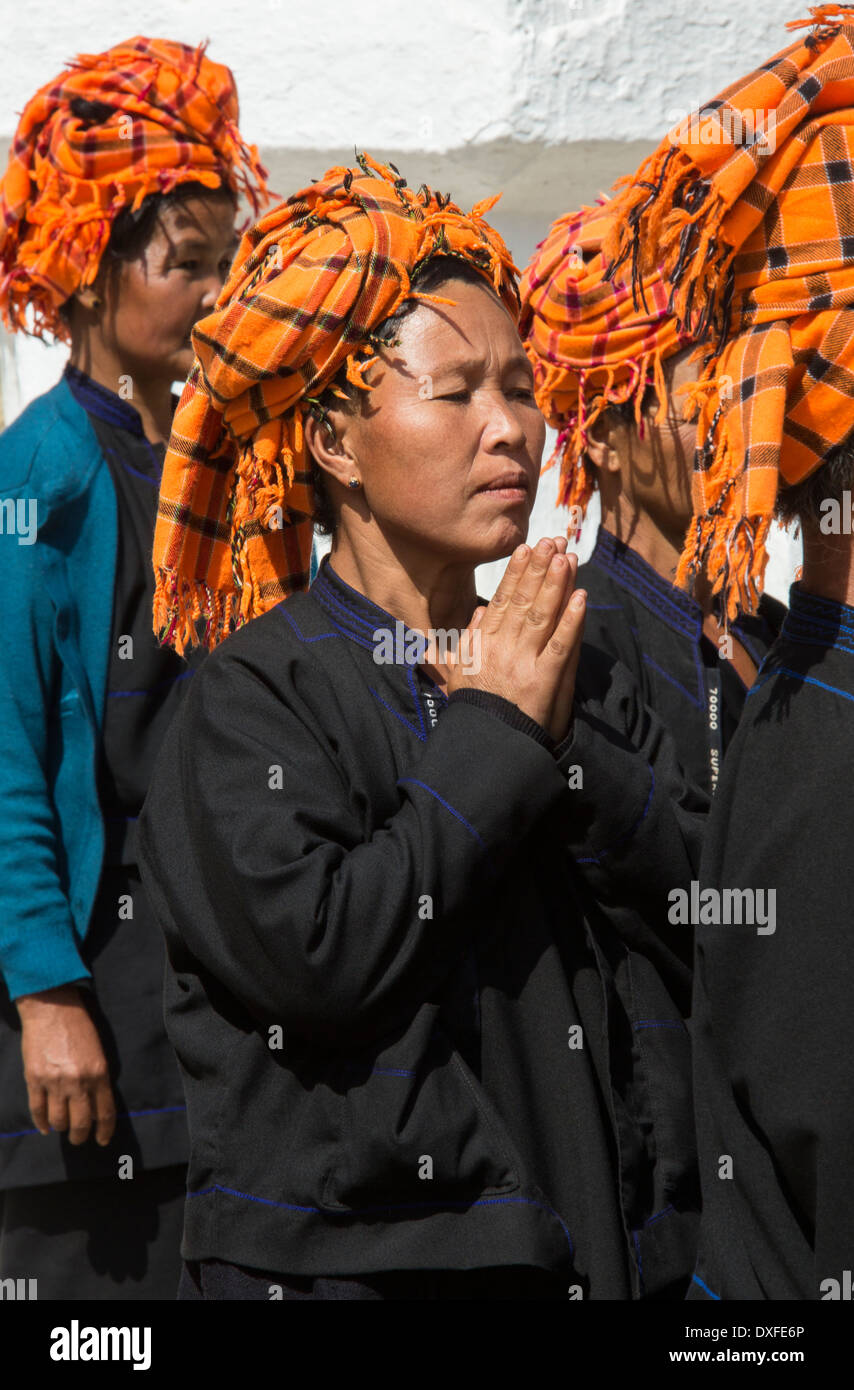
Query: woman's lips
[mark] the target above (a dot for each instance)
(509, 494)
(508, 489)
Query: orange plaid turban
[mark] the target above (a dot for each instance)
(310, 284)
(748, 210)
(588, 343)
(172, 119)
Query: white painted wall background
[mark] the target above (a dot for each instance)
(547, 100)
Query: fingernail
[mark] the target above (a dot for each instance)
(520, 552)
(544, 545)
(579, 598)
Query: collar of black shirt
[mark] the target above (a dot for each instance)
(818, 622)
(107, 405)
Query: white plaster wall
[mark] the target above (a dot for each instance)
(547, 100)
(426, 76)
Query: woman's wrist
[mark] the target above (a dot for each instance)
(505, 710)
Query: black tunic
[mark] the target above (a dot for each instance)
(773, 1014)
(656, 630)
(145, 685)
(427, 914)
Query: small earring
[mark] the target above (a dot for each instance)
(355, 482)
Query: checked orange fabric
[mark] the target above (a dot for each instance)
(171, 117)
(309, 285)
(755, 242)
(589, 345)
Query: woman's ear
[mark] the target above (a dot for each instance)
(328, 442)
(95, 299)
(601, 445)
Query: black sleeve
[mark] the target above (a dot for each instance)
(277, 892)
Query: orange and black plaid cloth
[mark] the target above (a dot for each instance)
(309, 285)
(164, 114)
(589, 344)
(747, 208)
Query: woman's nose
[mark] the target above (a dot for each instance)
(503, 425)
(213, 284)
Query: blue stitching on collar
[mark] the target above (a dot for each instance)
(419, 734)
(99, 400)
(328, 597)
(350, 601)
(798, 676)
(335, 608)
(675, 608)
(289, 618)
(819, 622)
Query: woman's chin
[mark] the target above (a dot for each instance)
(503, 539)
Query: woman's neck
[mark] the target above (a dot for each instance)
(828, 567)
(422, 591)
(152, 399)
(661, 549)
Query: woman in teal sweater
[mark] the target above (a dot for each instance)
(93, 1140)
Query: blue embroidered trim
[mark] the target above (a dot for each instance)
(818, 622)
(98, 400)
(347, 605)
(154, 479)
(325, 570)
(678, 610)
(636, 1243)
(160, 685)
(391, 1207)
(122, 1115)
(751, 647)
(798, 676)
(447, 805)
(656, 1216)
(697, 1280)
(343, 614)
(597, 858)
(346, 618)
(419, 733)
(660, 1023)
(301, 635)
(392, 1071)
(697, 703)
